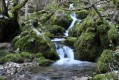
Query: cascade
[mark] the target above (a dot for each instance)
(65, 53)
(73, 17)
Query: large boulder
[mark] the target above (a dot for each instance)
(93, 38)
(82, 14)
(113, 36)
(86, 47)
(34, 43)
(60, 18)
(55, 30)
(107, 61)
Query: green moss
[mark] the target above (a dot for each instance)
(56, 30)
(44, 18)
(82, 14)
(26, 55)
(70, 41)
(105, 77)
(24, 33)
(103, 26)
(1, 78)
(44, 62)
(38, 55)
(11, 57)
(86, 47)
(34, 43)
(51, 7)
(102, 31)
(60, 18)
(15, 40)
(113, 36)
(105, 60)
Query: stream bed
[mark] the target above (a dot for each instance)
(74, 72)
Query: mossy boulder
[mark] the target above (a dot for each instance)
(34, 43)
(56, 30)
(86, 47)
(108, 76)
(11, 57)
(44, 62)
(113, 36)
(102, 32)
(107, 61)
(82, 14)
(69, 41)
(60, 18)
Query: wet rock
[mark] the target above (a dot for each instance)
(6, 47)
(11, 68)
(82, 78)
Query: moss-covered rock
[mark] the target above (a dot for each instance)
(82, 14)
(44, 62)
(105, 61)
(86, 47)
(69, 41)
(34, 43)
(44, 18)
(56, 30)
(113, 36)
(12, 57)
(26, 55)
(102, 31)
(108, 76)
(108, 60)
(60, 18)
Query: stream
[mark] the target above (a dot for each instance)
(66, 68)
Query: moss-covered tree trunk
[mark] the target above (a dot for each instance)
(9, 26)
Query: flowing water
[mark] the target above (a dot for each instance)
(65, 53)
(66, 68)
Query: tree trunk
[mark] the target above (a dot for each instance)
(9, 27)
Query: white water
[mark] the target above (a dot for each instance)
(73, 17)
(57, 39)
(71, 6)
(65, 53)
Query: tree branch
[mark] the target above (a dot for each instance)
(99, 14)
(5, 9)
(18, 6)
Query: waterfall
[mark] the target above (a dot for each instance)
(73, 17)
(65, 53)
